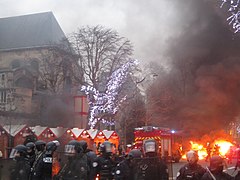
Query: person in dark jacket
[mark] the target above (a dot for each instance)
(215, 170)
(77, 166)
(104, 164)
(151, 167)
(37, 172)
(21, 169)
(192, 170)
(31, 152)
(126, 169)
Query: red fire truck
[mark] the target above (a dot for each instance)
(168, 140)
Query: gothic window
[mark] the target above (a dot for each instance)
(34, 64)
(3, 96)
(15, 64)
(24, 82)
(2, 79)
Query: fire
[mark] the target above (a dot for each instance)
(222, 145)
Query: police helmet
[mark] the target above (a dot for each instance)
(30, 146)
(19, 149)
(192, 157)
(150, 146)
(106, 147)
(134, 154)
(73, 146)
(91, 155)
(83, 144)
(40, 145)
(216, 163)
(52, 145)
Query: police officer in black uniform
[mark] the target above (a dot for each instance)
(215, 170)
(31, 152)
(51, 147)
(77, 166)
(37, 168)
(126, 169)
(151, 167)
(21, 169)
(192, 170)
(91, 156)
(104, 164)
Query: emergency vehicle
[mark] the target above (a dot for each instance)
(167, 139)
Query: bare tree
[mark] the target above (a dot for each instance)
(100, 52)
(56, 69)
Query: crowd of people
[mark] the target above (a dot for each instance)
(34, 161)
(215, 171)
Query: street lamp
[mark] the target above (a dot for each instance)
(172, 133)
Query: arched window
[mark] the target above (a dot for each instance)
(34, 64)
(15, 64)
(24, 82)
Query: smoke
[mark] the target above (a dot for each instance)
(205, 54)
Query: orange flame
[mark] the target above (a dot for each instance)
(224, 147)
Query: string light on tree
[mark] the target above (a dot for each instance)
(234, 11)
(103, 104)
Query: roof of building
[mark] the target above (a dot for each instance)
(77, 132)
(29, 31)
(58, 131)
(92, 133)
(107, 133)
(13, 130)
(38, 130)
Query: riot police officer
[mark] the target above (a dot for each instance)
(151, 166)
(36, 170)
(48, 159)
(126, 169)
(104, 164)
(31, 152)
(21, 170)
(215, 170)
(192, 170)
(77, 166)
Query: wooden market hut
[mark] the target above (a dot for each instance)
(112, 137)
(59, 135)
(43, 133)
(92, 134)
(38, 130)
(18, 134)
(3, 142)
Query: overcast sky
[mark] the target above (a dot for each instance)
(146, 23)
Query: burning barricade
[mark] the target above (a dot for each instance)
(220, 147)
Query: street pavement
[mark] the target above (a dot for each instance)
(229, 169)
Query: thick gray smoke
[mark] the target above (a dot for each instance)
(206, 55)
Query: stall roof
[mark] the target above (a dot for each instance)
(38, 130)
(58, 131)
(93, 133)
(107, 133)
(77, 132)
(13, 130)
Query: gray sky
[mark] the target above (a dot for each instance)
(146, 23)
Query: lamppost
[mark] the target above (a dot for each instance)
(172, 133)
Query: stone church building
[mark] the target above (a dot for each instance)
(36, 70)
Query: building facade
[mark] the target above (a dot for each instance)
(36, 85)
